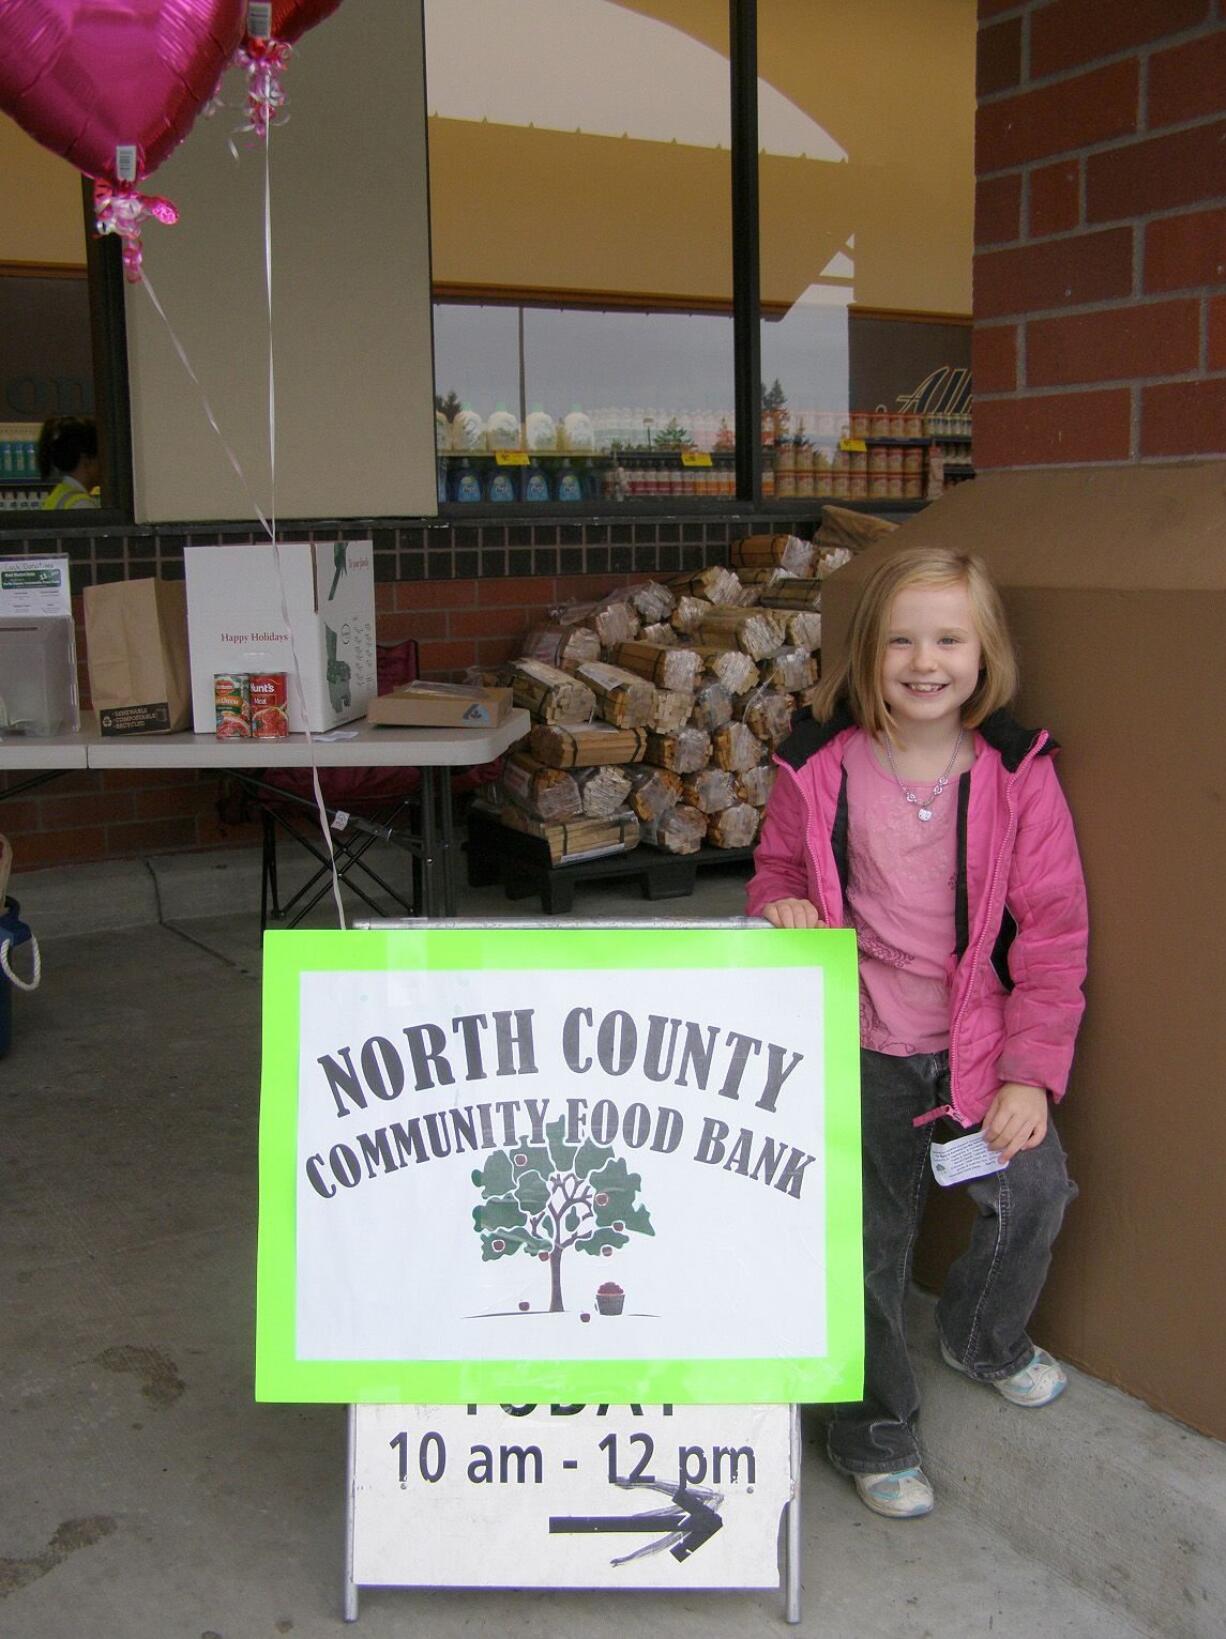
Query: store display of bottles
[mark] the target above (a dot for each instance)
(21, 488)
(877, 455)
(632, 455)
(541, 476)
(609, 455)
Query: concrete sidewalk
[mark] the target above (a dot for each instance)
(145, 1496)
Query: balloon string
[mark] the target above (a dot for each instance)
(267, 523)
(320, 805)
(233, 459)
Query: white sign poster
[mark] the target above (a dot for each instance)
(569, 1496)
(561, 1060)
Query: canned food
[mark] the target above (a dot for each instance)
(913, 488)
(269, 706)
(878, 486)
(894, 485)
(913, 461)
(861, 424)
(232, 704)
(881, 424)
(878, 461)
(857, 487)
(894, 461)
(913, 426)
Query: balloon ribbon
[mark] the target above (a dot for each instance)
(120, 208)
(263, 61)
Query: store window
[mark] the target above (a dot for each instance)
(62, 350)
(581, 242)
(865, 248)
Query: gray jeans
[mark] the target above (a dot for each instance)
(990, 1291)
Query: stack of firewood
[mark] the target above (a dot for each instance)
(657, 711)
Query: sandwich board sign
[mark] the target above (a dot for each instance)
(570, 1165)
(568, 1496)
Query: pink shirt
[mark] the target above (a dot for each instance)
(901, 903)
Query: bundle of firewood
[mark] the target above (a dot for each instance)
(693, 685)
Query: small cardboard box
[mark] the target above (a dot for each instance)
(238, 598)
(136, 651)
(441, 705)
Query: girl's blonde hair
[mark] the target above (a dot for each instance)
(857, 677)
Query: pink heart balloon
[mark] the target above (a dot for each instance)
(292, 18)
(84, 77)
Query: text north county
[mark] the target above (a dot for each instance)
(701, 1054)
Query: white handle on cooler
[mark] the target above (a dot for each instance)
(14, 978)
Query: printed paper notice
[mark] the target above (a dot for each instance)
(964, 1158)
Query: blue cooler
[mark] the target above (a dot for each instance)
(11, 928)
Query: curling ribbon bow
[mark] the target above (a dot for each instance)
(120, 208)
(263, 60)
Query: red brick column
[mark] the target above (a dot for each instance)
(1100, 231)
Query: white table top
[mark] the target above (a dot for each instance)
(369, 746)
(62, 751)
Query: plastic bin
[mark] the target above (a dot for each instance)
(11, 928)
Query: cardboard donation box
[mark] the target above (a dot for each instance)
(136, 651)
(38, 654)
(238, 600)
(441, 705)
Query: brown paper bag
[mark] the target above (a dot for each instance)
(136, 651)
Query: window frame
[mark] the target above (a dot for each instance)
(112, 398)
(746, 321)
(112, 401)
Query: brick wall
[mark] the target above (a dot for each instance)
(1100, 231)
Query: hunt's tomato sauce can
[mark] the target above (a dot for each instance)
(232, 702)
(269, 706)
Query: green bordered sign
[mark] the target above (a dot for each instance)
(562, 1164)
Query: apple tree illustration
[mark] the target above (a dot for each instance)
(547, 1198)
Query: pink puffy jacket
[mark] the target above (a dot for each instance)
(1020, 902)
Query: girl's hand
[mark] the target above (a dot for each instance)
(792, 913)
(1016, 1119)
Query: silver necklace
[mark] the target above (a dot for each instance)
(923, 810)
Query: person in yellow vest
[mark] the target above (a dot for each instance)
(68, 452)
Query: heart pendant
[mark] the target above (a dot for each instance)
(925, 813)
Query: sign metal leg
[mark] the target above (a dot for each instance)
(349, 1588)
(431, 843)
(791, 1538)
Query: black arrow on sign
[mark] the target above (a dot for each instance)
(686, 1526)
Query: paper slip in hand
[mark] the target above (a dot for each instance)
(964, 1158)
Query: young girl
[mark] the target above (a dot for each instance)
(911, 806)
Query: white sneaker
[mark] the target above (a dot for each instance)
(1038, 1383)
(906, 1494)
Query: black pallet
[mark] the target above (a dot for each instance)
(523, 867)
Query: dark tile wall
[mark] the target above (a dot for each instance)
(417, 549)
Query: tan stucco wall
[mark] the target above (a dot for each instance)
(41, 214)
(354, 392)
